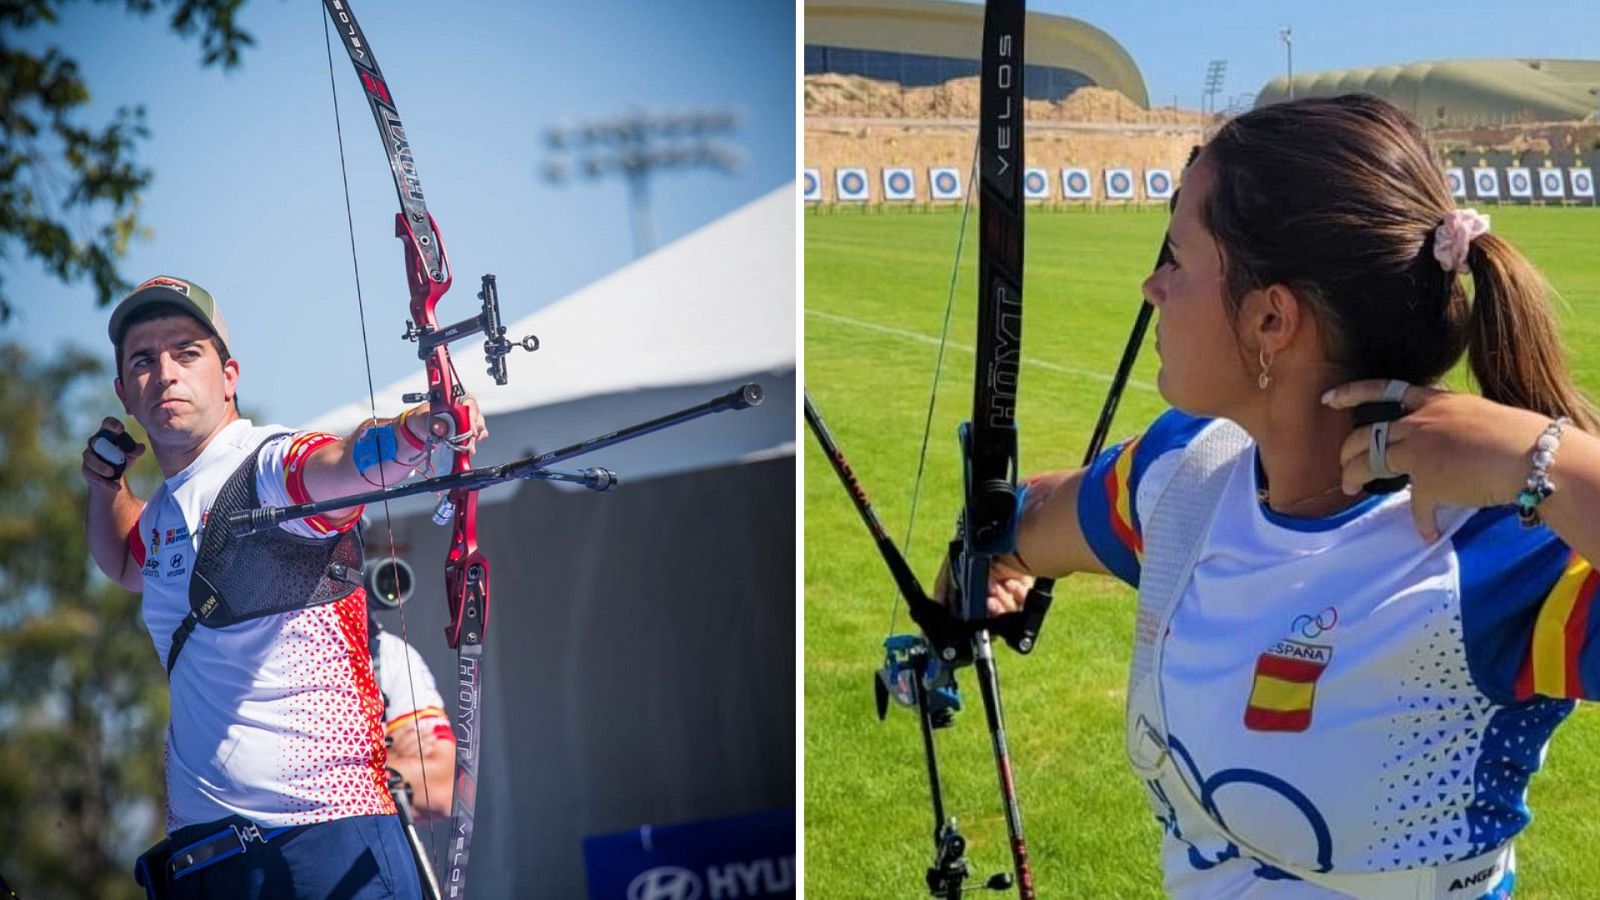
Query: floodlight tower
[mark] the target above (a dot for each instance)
(637, 145)
(1287, 36)
(1216, 71)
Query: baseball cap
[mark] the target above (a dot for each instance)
(168, 290)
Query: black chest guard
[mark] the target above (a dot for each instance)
(241, 578)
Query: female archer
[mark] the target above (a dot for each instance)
(1340, 688)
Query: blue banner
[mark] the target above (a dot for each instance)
(715, 859)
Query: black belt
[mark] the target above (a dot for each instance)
(218, 846)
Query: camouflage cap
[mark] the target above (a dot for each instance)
(181, 293)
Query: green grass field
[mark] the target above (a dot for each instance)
(875, 297)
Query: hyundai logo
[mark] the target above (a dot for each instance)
(665, 883)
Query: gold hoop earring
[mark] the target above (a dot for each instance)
(1264, 380)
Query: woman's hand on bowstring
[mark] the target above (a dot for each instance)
(1457, 448)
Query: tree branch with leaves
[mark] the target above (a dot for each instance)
(70, 192)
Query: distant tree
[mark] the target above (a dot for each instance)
(69, 193)
(83, 700)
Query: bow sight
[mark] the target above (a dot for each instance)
(487, 322)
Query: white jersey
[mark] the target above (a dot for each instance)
(277, 719)
(400, 672)
(1341, 695)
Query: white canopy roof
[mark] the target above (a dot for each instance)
(715, 305)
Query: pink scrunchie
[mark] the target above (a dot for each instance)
(1453, 238)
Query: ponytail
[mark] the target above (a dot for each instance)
(1513, 343)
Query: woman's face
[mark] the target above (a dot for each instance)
(1201, 371)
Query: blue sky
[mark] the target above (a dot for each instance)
(1171, 42)
(247, 199)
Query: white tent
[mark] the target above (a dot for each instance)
(691, 320)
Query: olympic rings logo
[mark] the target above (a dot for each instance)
(1312, 627)
(1207, 857)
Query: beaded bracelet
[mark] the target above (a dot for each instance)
(1539, 486)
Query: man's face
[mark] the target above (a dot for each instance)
(172, 379)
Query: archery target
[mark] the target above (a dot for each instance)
(1036, 184)
(1582, 182)
(1119, 184)
(899, 184)
(1519, 182)
(944, 184)
(1076, 184)
(1158, 184)
(1486, 182)
(812, 181)
(1550, 183)
(851, 184)
(1458, 182)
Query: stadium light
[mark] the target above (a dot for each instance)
(637, 145)
(1216, 71)
(1287, 34)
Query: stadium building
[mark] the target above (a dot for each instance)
(920, 43)
(1463, 93)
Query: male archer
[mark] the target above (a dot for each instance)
(276, 781)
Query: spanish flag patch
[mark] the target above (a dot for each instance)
(1284, 686)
